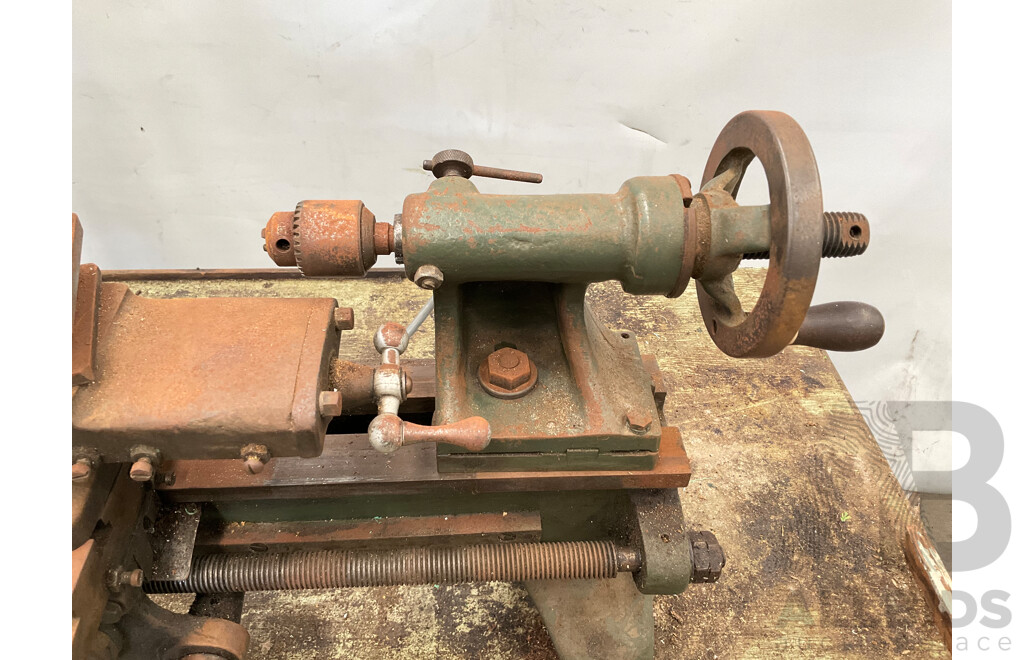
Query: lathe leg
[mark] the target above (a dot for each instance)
(602, 619)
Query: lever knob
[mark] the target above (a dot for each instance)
(388, 433)
(452, 162)
(841, 326)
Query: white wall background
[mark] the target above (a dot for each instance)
(193, 121)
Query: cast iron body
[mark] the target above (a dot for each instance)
(548, 459)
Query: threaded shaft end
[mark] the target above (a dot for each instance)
(843, 234)
(330, 569)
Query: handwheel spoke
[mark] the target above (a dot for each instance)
(727, 303)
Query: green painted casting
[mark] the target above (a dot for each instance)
(634, 236)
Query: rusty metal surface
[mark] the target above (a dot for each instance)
(278, 237)
(634, 236)
(355, 383)
(451, 529)
(452, 162)
(796, 230)
(780, 450)
(333, 237)
(83, 334)
(88, 498)
(200, 378)
(843, 234)
(507, 373)
(331, 569)
(173, 540)
(589, 378)
(245, 275)
(472, 434)
(348, 466)
(92, 560)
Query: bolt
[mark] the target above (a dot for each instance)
(81, 469)
(330, 403)
(508, 368)
(407, 380)
(344, 319)
(639, 422)
(120, 577)
(142, 469)
(428, 277)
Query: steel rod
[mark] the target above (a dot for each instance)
(329, 569)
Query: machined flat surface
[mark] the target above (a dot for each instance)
(785, 473)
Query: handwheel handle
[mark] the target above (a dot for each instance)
(841, 326)
(796, 233)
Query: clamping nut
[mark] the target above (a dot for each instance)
(428, 277)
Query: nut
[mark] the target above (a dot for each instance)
(330, 403)
(428, 277)
(142, 469)
(81, 469)
(508, 368)
(639, 421)
(708, 557)
(344, 319)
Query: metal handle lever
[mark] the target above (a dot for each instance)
(388, 433)
(841, 326)
(452, 162)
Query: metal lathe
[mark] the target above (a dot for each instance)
(532, 448)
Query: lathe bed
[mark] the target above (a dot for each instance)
(785, 473)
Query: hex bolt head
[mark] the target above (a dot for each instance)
(428, 277)
(142, 469)
(639, 421)
(344, 319)
(708, 557)
(330, 403)
(508, 368)
(81, 469)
